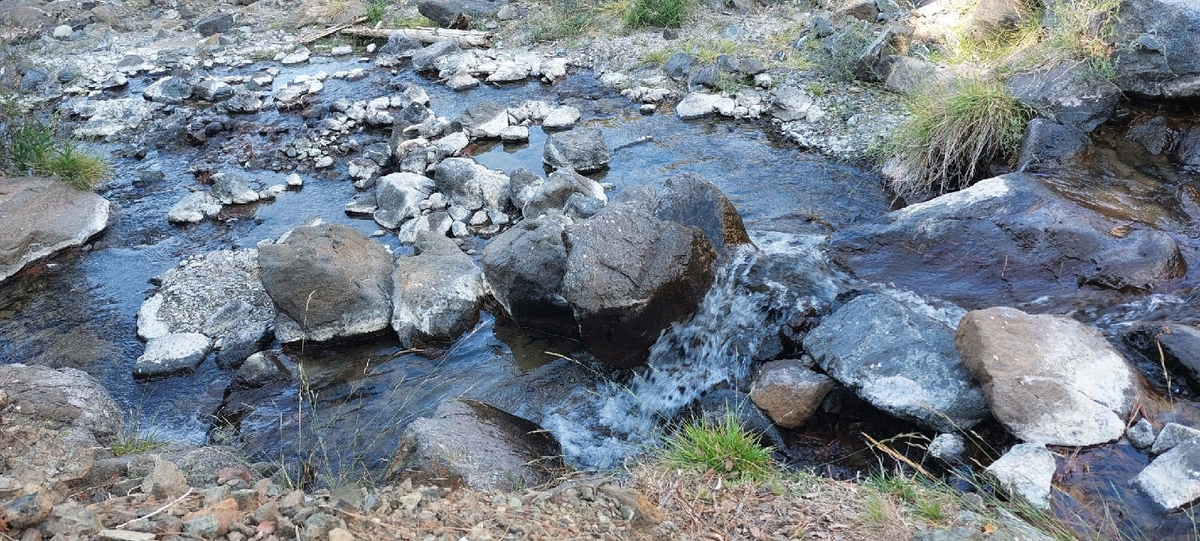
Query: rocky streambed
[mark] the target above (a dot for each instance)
(310, 256)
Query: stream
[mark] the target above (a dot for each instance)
(350, 402)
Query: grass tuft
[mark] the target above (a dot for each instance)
(30, 147)
(376, 10)
(661, 13)
(953, 133)
(135, 438)
(722, 447)
(81, 171)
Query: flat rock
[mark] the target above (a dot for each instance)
(398, 196)
(40, 217)
(582, 150)
(1026, 470)
(561, 118)
(1172, 434)
(171, 354)
(1173, 479)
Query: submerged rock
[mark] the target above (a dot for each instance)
(41, 216)
(438, 292)
(1173, 479)
(1049, 379)
(1178, 344)
(899, 361)
(473, 444)
(327, 282)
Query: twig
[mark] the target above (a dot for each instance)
(333, 29)
(156, 511)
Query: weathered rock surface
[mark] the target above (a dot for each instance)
(41, 216)
(423, 59)
(629, 276)
(194, 208)
(398, 196)
(171, 354)
(1026, 470)
(1049, 379)
(484, 120)
(1068, 94)
(232, 189)
(1179, 344)
(327, 282)
(169, 90)
(582, 150)
(691, 200)
(1158, 48)
(1048, 146)
(1171, 435)
(472, 185)
(789, 392)
(551, 194)
(477, 445)
(438, 292)
(59, 398)
(900, 361)
(1173, 479)
(524, 267)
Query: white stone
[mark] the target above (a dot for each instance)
(341, 50)
(1173, 479)
(171, 353)
(1171, 435)
(696, 105)
(61, 31)
(294, 180)
(561, 118)
(1026, 470)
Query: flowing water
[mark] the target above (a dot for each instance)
(349, 402)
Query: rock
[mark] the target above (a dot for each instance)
(899, 361)
(718, 405)
(515, 134)
(423, 59)
(948, 447)
(865, 10)
(508, 72)
(1172, 435)
(171, 354)
(1158, 51)
(1049, 146)
(59, 398)
(789, 392)
(992, 16)
(72, 519)
(213, 521)
(554, 69)
(473, 444)
(261, 368)
(1066, 93)
(231, 189)
(397, 197)
(219, 23)
(399, 44)
(1141, 434)
(243, 101)
(28, 511)
(1173, 479)
(327, 282)
(524, 267)
(212, 90)
(1049, 379)
(455, 143)
(561, 118)
(631, 275)
(582, 207)
(582, 150)
(341, 50)
(472, 185)
(125, 535)
(298, 56)
(294, 181)
(446, 12)
(1146, 258)
(791, 103)
(165, 481)
(551, 195)
(691, 200)
(318, 526)
(1187, 152)
(169, 90)
(696, 105)
(1179, 344)
(461, 81)
(910, 76)
(438, 292)
(34, 80)
(1026, 471)
(41, 216)
(1153, 133)
(679, 66)
(484, 120)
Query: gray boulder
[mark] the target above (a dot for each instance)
(1048, 146)
(1049, 379)
(1158, 48)
(789, 392)
(899, 361)
(438, 292)
(232, 189)
(399, 44)
(1145, 258)
(691, 200)
(423, 59)
(1178, 344)
(1187, 152)
(1171, 435)
(484, 120)
(1026, 471)
(581, 150)
(473, 444)
(1173, 479)
(524, 267)
(41, 216)
(398, 197)
(218, 23)
(472, 185)
(629, 276)
(169, 90)
(551, 194)
(59, 398)
(1068, 94)
(171, 354)
(327, 282)
(1155, 134)
(212, 90)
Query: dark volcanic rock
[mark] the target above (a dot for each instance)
(524, 267)
(1158, 48)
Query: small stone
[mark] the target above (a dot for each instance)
(371, 48)
(1141, 434)
(339, 534)
(647, 109)
(296, 57)
(61, 31)
(323, 162)
(294, 181)
(1171, 435)
(948, 447)
(1026, 470)
(341, 50)
(514, 134)
(125, 535)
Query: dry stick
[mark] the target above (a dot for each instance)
(156, 511)
(333, 29)
(470, 38)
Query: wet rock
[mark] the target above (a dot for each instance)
(561, 118)
(1068, 94)
(423, 60)
(1187, 152)
(484, 120)
(629, 276)
(551, 195)
(212, 90)
(1171, 480)
(1144, 259)
(41, 216)
(582, 150)
(243, 101)
(232, 189)
(1171, 435)
(171, 354)
(1154, 134)
(471, 443)
(716, 406)
(524, 267)
(691, 200)
(166, 480)
(789, 392)
(515, 134)
(1179, 344)
(900, 361)
(1048, 146)
(261, 368)
(327, 282)
(1141, 434)
(169, 90)
(398, 196)
(461, 81)
(1158, 48)
(1026, 470)
(219, 23)
(438, 292)
(58, 398)
(1049, 379)
(298, 56)
(472, 185)
(697, 104)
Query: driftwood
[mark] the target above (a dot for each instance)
(466, 38)
(333, 29)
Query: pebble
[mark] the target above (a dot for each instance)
(62, 31)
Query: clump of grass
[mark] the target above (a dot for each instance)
(668, 13)
(412, 22)
(376, 10)
(31, 144)
(136, 438)
(81, 171)
(657, 57)
(723, 447)
(30, 147)
(953, 133)
(561, 25)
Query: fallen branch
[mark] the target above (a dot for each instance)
(466, 38)
(155, 512)
(333, 29)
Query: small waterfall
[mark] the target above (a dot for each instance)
(737, 323)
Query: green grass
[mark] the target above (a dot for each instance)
(660, 13)
(953, 133)
(419, 21)
(135, 438)
(723, 447)
(31, 144)
(376, 10)
(81, 171)
(31, 147)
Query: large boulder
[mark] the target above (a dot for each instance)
(398, 196)
(691, 200)
(59, 398)
(41, 216)
(473, 444)
(1158, 48)
(438, 292)
(472, 185)
(582, 150)
(524, 267)
(1011, 231)
(899, 361)
(217, 294)
(327, 282)
(1068, 94)
(1049, 379)
(1173, 479)
(629, 276)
